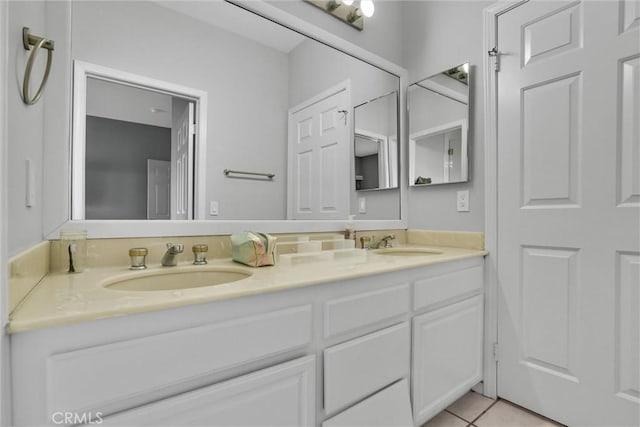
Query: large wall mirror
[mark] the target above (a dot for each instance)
(272, 107)
(438, 128)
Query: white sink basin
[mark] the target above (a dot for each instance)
(407, 251)
(177, 278)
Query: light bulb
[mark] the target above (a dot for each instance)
(367, 8)
(347, 2)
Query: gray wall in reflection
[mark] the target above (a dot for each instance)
(116, 166)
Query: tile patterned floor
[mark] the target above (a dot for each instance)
(475, 410)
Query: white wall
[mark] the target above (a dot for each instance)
(25, 129)
(428, 109)
(382, 33)
(5, 368)
(439, 35)
(379, 116)
(430, 158)
(314, 68)
(130, 104)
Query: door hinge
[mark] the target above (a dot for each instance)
(494, 53)
(496, 351)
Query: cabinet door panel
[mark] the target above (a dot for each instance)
(360, 367)
(283, 395)
(138, 367)
(447, 355)
(389, 408)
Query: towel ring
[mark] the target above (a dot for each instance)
(37, 42)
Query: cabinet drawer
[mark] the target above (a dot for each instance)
(283, 395)
(389, 408)
(108, 376)
(448, 287)
(355, 311)
(360, 367)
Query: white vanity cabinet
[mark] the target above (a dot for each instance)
(447, 340)
(283, 395)
(389, 407)
(335, 354)
(360, 367)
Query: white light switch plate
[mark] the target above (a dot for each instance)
(30, 184)
(362, 205)
(463, 201)
(213, 208)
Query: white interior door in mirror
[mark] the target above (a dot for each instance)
(438, 128)
(182, 152)
(158, 189)
(318, 156)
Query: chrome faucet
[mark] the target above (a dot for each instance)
(170, 258)
(385, 242)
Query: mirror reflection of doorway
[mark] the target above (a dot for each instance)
(130, 131)
(158, 189)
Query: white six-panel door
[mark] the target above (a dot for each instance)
(183, 165)
(568, 210)
(319, 157)
(158, 189)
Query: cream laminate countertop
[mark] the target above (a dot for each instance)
(63, 298)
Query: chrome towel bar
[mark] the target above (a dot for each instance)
(29, 40)
(267, 175)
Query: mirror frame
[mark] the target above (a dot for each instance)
(166, 228)
(84, 70)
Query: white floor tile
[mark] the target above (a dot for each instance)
(445, 419)
(470, 406)
(503, 414)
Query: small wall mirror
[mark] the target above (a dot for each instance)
(438, 124)
(376, 143)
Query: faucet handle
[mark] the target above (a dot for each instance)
(386, 240)
(138, 258)
(199, 253)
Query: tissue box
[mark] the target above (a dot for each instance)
(253, 249)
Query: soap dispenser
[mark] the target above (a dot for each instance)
(350, 229)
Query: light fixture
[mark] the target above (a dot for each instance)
(367, 8)
(333, 5)
(352, 12)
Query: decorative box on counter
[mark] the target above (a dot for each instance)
(253, 249)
